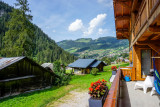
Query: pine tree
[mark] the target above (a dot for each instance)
(18, 40)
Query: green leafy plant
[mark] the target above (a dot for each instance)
(98, 88)
(94, 71)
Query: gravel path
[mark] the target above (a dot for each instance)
(72, 99)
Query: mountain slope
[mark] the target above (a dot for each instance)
(46, 49)
(98, 48)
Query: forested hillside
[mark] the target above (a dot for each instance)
(98, 48)
(45, 49)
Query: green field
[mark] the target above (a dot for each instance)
(41, 98)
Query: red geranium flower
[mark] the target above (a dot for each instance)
(91, 89)
(104, 80)
(97, 88)
(92, 84)
(114, 68)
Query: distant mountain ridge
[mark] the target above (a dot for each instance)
(98, 48)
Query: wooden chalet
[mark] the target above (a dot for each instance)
(139, 22)
(84, 66)
(21, 74)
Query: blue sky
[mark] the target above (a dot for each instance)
(73, 19)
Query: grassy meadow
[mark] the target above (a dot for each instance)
(42, 98)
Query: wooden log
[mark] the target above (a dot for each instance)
(154, 29)
(123, 4)
(127, 17)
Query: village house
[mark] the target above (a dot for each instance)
(84, 66)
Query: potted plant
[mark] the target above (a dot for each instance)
(114, 70)
(98, 92)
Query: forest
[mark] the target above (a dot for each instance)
(36, 45)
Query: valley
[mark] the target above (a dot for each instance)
(98, 48)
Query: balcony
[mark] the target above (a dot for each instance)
(145, 22)
(122, 94)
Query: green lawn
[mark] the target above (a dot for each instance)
(41, 98)
(68, 71)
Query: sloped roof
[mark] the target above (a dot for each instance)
(4, 62)
(95, 64)
(122, 14)
(82, 63)
(50, 65)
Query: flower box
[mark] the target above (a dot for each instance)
(98, 92)
(98, 102)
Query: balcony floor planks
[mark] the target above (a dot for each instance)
(136, 98)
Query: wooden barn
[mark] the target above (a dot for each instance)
(21, 74)
(139, 22)
(84, 66)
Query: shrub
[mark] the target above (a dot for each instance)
(98, 88)
(113, 68)
(94, 71)
(60, 77)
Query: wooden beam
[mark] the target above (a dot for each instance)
(127, 17)
(124, 0)
(142, 46)
(121, 30)
(154, 29)
(149, 41)
(155, 48)
(123, 4)
(122, 37)
(151, 37)
(134, 6)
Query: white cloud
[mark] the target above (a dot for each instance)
(76, 25)
(94, 23)
(102, 31)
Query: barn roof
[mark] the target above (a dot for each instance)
(84, 63)
(46, 65)
(4, 62)
(50, 65)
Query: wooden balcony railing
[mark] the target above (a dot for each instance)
(128, 71)
(145, 11)
(112, 97)
(114, 92)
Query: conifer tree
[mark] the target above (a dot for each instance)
(18, 40)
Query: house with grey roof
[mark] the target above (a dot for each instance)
(84, 66)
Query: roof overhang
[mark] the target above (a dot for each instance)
(122, 13)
